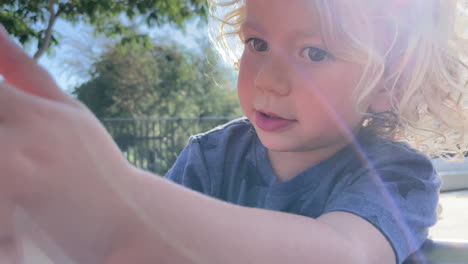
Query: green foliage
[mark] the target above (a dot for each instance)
(30, 20)
(137, 79)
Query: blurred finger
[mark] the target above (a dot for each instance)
(10, 102)
(15, 103)
(8, 244)
(6, 227)
(9, 253)
(22, 72)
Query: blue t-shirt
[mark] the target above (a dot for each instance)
(389, 184)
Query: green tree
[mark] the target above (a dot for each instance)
(138, 79)
(35, 19)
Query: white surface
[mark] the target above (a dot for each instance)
(453, 220)
(454, 174)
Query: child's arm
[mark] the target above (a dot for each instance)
(205, 230)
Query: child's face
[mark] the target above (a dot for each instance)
(298, 97)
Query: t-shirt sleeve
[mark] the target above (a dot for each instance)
(398, 195)
(190, 169)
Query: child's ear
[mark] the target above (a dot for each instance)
(381, 101)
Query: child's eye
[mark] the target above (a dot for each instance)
(257, 45)
(314, 54)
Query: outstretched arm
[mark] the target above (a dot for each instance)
(205, 230)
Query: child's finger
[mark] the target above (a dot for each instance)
(22, 72)
(14, 102)
(6, 227)
(8, 244)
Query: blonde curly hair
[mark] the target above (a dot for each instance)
(422, 67)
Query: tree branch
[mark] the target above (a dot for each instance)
(48, 33)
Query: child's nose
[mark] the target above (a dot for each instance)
(272, 76)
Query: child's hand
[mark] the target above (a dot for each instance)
(8, 246)
(57, 162)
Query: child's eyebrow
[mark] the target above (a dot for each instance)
(306, 33)
(252, 26)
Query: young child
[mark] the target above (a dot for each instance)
(329, 90)
(317, 172)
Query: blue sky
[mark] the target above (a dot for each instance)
(68, 64)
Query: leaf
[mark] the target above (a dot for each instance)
(20, 16)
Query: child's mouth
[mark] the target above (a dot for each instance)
(270, 116)
(271, 122)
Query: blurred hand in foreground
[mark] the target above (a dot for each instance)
(57, 163)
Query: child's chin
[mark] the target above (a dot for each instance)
(278, 144)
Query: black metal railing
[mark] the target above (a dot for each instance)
(153, 144)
